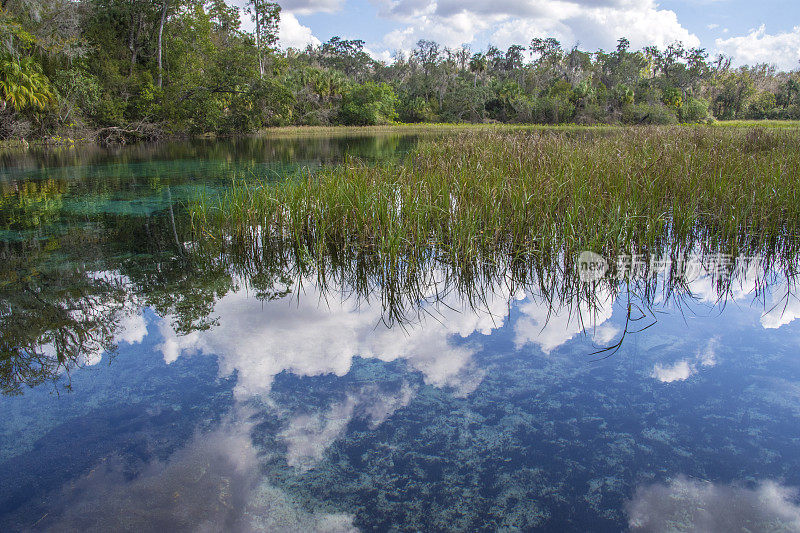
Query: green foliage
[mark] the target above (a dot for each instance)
(266, 103)
(416, 110)
(368, 104)
(694, 110)
(78, 88)
(189, 67)
(543, 110)
(23, 86)
(761, 105)
(673, 98)
(649, 114)
(623, 95)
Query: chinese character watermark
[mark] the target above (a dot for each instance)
(594, 267)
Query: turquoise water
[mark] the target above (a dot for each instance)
(149, 386)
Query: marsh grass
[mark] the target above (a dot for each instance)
(779, 124)
(499, 211)
(485, 194)
(419, 129)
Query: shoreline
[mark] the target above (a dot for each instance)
(64, 141)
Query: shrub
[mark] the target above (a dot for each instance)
(760, 106)
(368, 105)
(694, 110)
(648, 114)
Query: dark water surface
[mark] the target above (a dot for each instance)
(151, 387)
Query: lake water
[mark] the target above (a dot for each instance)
(151, 387)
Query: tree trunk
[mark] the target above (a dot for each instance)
(160, 40)
(133, 37)
(130, 44)
(257, 9)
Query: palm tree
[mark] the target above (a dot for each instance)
(477, 65)
(23, 85)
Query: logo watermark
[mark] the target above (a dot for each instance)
(594, 267)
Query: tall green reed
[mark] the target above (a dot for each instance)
(484, 193)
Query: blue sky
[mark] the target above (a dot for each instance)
(750, 31)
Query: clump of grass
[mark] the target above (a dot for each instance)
(487, 194)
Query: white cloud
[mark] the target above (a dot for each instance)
(692, 505)
(780, 49)
(312, 337)
(593, 23)
(605, 333)
(550, 328)
(307, 7)
(452, 30)
(384, 55)
(707, 357)
(680, 371)
(212, 484)
(784, 306)
(132, 328)
(292, 34)
(744, 281)
(307, 436)
(684, 369)
(594, 27)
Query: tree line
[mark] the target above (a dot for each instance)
(145, 68)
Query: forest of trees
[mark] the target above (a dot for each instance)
(139, 69)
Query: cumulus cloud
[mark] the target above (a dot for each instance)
(691, 505)
(550, 327)
(213, 484)
(452, 30)
(605, 333)
(312, 337)
(292, 34)
(307, 436)
(132, 328)
(758, 46)
(593, 23)
(598, 25)
(784, 307)
(307, 7)
(682, 370)
(702, 278)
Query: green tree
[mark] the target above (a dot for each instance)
(23, 85)
(368, 104)
(266, 16)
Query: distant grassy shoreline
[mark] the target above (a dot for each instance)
(465, 127)
(86, 138)
(419, 128)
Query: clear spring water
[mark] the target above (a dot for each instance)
(150, 388)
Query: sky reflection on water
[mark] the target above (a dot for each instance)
(281, 403)
(310, 413)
